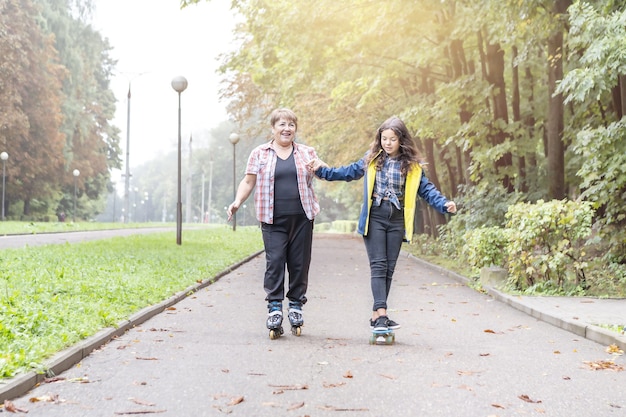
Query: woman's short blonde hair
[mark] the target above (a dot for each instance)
(286, 114)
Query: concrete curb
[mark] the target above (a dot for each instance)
(588, 331)
(64, 360)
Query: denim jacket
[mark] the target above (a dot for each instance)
(416, 184)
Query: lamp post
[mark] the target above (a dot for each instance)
(179, 84)
(234, 138)
(127, 175)
(76, 173)
(147, 198)
(210, 187)
(4, 156)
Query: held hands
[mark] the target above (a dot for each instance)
(450, 207)
(316, 164)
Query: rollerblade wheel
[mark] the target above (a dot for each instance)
(296, 330)
(275, 333)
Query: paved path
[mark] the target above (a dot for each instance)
(459, 353)
(36, 239)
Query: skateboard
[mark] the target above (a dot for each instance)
(382, 337)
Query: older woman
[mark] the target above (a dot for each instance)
(286, 206)
(393, 180)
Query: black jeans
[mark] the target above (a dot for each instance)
(383, 243)
(287, 242)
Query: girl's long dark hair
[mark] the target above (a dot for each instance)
(409, 154)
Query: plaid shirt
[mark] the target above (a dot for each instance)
(389, 183)
(262, 163)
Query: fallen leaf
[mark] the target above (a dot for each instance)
(556, 352)
(141, 402)
(497, 406)
(348, 374)
(295, 406)
(140, 358)
(615, 350)
(11, 408)
(526, 398)
(133, 412)
(329, 385)
(467, 373)
(602, 365)
(53, 379)
(45, 398)
(290, 387)
(484, 354)
(489, 331)
(236, 400)
(332, 408)
(388, 376)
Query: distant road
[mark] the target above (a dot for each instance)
(20, 241)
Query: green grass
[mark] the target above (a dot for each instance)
(53, 296)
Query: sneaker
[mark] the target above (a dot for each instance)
(390, 324)
(381, 323)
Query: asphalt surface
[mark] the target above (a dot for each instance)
(459, 352)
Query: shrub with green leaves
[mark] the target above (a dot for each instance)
(485, 247)
(546, 244)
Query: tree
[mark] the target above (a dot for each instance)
(30, 129)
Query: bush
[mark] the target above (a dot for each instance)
(485, 247)
(344, 226)
(546, 244)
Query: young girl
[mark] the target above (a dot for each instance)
(393, 180)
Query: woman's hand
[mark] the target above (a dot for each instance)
(232, 209)
(450, 207)
(316, 164)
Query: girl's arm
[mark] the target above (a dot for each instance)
(351, 172)
(433, 196)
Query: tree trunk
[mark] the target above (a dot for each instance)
(554, 133)
(495, 76)
(431, 171)
(517, 118)
(461, 68)
(619, 96)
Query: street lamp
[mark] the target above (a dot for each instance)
(146, 195)
(234, 138)
(127, 175)
(4, 156)
(179, 84)
(76, 173)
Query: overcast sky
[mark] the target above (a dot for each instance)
(160, 41)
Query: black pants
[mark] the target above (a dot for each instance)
(383, 243)
(288, 243)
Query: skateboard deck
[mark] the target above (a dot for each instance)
(382, 337)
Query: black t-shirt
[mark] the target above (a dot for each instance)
(286, 194)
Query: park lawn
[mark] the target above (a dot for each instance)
(53, 296)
